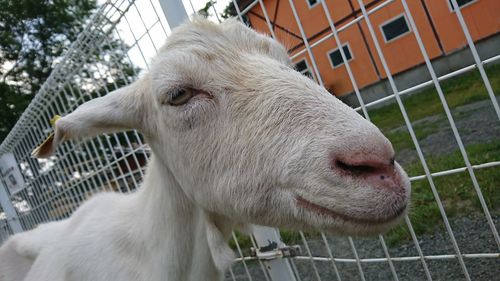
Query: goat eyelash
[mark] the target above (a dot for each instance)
(182, 96)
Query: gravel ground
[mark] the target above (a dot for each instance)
(472, 234)
(476, 123)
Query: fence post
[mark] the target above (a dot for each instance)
(8, 208)
(279, 269)
(174, 11)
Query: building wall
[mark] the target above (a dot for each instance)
(403, 52)
(336, 78)
(436, 22)
(420, 74)
(482, 18)
(285, 28)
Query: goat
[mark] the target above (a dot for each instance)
(238, 137)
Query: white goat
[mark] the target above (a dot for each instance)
(238, 137)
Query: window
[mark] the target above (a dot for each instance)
(395, 28)
(312, 3)
(336, 57)
(303, 68)
(461, 3)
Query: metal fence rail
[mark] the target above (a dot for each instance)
(5, 230)
(54, 188)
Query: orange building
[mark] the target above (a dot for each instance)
(436, 22)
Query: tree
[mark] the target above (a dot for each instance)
(33, 34)
(205, 10)
(228, 12)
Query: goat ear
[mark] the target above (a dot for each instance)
(218, 230)
(119, 110)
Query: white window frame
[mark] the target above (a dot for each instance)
(306, 69)
(390, 21)
(312, 6)
(336, 49)
(461, 7)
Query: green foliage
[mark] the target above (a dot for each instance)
(33, 34)
(229, 11)
(12, 105)
(243, 241)
(205, 10)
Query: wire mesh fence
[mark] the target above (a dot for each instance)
(453, 231)
(5, 231)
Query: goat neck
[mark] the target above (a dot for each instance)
(172, 227)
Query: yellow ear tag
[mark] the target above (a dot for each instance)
(54, 119)
(39, 149)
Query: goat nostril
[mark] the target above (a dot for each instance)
(375, 171)
(355, 169)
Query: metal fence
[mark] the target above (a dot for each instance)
(53, 188)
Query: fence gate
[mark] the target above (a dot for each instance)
(434, 98)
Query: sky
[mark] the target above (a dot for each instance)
(143, 16)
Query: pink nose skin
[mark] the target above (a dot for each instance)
(378, 171)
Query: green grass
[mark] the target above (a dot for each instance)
(455, 191)
(458, 91)
(401, 138)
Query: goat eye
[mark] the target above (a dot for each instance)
(180, 97)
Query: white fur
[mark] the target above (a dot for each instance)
(265, 137)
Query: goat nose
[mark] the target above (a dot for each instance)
(378, 171)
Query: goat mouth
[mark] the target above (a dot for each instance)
(336, 215)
